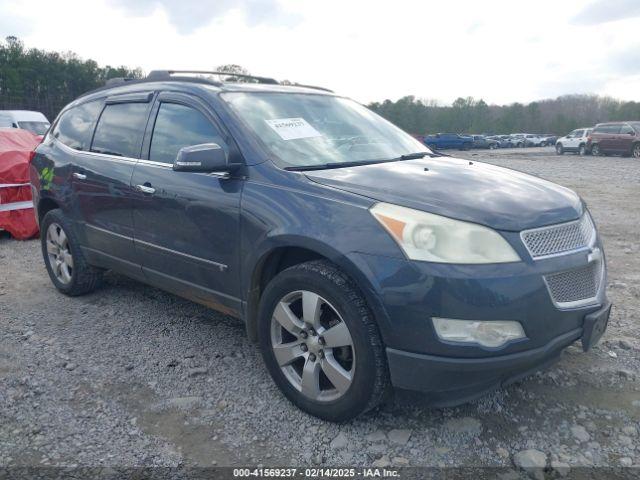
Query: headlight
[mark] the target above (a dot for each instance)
(494, 333)
(433, 238)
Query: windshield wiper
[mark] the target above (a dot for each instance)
(325, 166)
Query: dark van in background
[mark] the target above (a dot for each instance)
(615, 138)
(358, 259)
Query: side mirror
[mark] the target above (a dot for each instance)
(206, 157)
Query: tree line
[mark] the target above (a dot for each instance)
(35, 79)
(468, 115)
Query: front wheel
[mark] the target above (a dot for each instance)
(559, 149)
(320, 342)
(635, 151)
(595, 150)
(543, 144)
(582, 151)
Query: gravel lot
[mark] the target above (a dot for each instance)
(132, 376)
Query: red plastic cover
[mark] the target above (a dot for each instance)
(16, 206)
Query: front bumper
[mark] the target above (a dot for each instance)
(451, 381)
(409, 294)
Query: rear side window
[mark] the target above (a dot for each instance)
(76, 125)
(179, 126)
(120, 129)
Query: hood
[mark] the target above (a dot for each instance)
(477, 192)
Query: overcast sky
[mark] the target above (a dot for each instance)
(502, 51)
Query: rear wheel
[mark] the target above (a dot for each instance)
(65, 262)
(559, 149)
(582, 151)
(320, 342)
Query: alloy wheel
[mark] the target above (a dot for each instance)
(595, 150)
(59, 253)
(583, 151)
(636, 151)
(313, 346)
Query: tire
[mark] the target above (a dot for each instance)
(65, 262)
(635, 150)
(520, 145)
(595, 150)
(559, 149)
(493, 146)
(465, 146)
(543, 144)
(341, 303)
(582, 150)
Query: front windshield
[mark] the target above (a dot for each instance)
(312, 130)
(38, 128)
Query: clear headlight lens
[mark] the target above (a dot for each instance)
(494, 333)
(434, 238)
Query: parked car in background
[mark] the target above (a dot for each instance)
(615, 138)
(504, 141)
(441, 141)
(518, 140)
(549, 139)
(480, 141)
(358, 259)
(35, 122)
(576, 142)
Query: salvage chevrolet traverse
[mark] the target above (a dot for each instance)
(358, 259)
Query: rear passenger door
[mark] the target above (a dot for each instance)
(187, 224)
(608, 142)
(102, 182)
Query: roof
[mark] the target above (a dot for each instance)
(24, 115)
(197, 81)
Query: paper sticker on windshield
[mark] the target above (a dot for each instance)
(293, 128)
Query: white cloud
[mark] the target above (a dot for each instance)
(495, 50)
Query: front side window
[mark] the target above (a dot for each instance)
(578, 133)
(612, 129)
(75, 126)
(626, 130)
(313, 130)
(179, 126)
(120, 129)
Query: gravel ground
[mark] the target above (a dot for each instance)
(132, 376)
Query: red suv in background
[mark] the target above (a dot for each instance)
(622, 138)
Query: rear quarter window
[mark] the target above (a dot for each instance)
(120, 129)
(75, 126)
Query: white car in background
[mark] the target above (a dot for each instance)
(35, 122)
(576, 142)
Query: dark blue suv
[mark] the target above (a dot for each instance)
(357, 258)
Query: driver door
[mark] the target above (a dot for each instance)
(186, 224)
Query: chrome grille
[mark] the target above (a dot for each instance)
(575, 287)
(560, 238)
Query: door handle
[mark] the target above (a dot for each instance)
(146, 189)
(79, 176)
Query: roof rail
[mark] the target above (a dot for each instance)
(167, 75)
(312, 87)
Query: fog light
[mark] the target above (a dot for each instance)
(494, 333)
